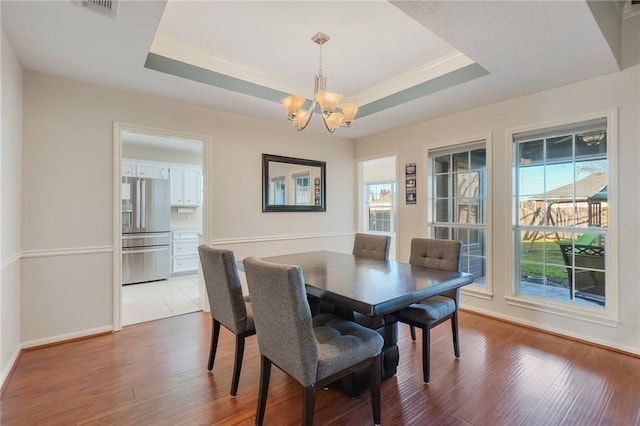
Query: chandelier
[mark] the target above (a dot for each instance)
(328, 101)
(593, 138)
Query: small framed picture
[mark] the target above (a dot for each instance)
(316, 181)
(411, 197)
(410, 169)
(411, 183)
(317, 192)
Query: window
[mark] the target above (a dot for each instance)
(278, 191)
(562, 212)
(458, 200)
(381, 206)
(302, 192)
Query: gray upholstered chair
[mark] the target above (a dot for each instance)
(315, 351)
(372, 246)
(228, 306)
(435, 254)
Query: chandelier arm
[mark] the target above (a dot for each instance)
(324, 120)
(308, 120)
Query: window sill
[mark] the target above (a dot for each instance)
(477, 291)
(593, 315)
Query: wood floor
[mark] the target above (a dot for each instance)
(155, 374)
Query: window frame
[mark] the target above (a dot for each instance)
(465, 145)
(393, 216)
(609, 315)
(279, 186)
(300, 190)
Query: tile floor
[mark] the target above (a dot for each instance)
(160, 299)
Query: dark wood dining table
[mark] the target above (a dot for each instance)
(373, 288)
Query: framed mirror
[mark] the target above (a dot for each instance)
(293, 184)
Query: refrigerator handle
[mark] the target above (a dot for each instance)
(143, 208)
(137, 217)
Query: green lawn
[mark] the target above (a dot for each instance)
(535, 254)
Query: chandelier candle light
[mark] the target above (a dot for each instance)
(328, 101)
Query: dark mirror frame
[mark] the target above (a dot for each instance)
(266, 207)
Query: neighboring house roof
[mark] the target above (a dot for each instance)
(384, 200)
(592, 187)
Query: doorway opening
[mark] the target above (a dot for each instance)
(377, 206)
(160, 224)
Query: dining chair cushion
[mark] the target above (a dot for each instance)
(342, 343)
(435, 254)
(432, 309)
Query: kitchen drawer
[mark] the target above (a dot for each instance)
(185, 247)
(186, 235)
(186, 263)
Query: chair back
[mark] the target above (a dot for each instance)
(372, 246)
(223, 287)
(439, 254)
(282, 318)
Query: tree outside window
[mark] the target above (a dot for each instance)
(562, 212)
(458, 202)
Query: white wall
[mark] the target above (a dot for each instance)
(621, 91)
(68, 186)
(10, 178)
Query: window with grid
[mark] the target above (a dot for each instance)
(562, 212)
(458, 199)
(381, 206)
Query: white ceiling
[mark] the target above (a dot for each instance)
(402, 62)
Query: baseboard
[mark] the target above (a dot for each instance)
(534, 326)
(63, 338)
(11, 367)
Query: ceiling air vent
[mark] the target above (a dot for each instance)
(105, 7)
(631, 8)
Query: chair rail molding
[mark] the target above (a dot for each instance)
(70, 251)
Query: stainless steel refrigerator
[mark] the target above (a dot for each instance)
(146, 222)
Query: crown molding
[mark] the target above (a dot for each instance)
(182, 52)
(441, 66)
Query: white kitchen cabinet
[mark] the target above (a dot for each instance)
(186, 186)
(185, 257)
(128, 168)
(153, 171)
(145, 169)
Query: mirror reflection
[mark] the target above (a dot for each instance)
(292, 184)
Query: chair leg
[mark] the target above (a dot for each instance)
(215, 334)
(413, 332)
(265, 373)
(426, 348)
(454, 332)
(308, 405)
(237, 365)
(375, 389)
